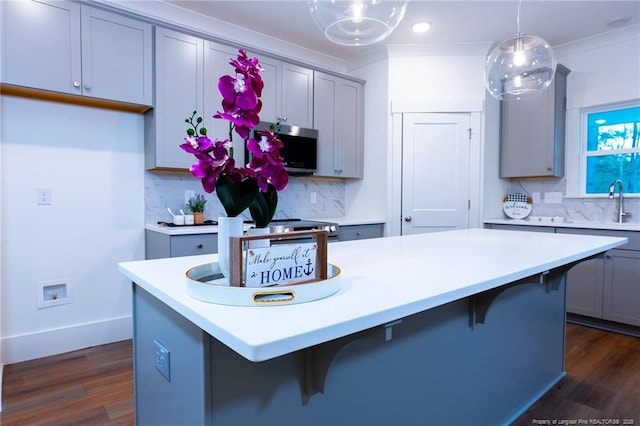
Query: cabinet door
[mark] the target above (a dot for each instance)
(532, 132)
(297, 96)
(41, 45)
(324, 118)
(584, 288)
(622, 286)
(191, 245)
(361, 232)
(116, 57)
(338, 117)
(216, 64)
(179, 92)
(349, 149)
(271, 94)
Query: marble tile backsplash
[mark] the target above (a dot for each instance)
(576, 209)
(166, 189)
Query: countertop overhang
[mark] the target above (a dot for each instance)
(383, 279)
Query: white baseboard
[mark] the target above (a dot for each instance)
(56, 341)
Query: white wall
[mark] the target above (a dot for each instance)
(92, 159)
(450, 79)
(367, 198)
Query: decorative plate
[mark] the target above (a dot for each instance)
(517, 206)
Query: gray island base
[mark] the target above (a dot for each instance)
(478, 349)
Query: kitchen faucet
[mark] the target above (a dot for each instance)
(621, 213)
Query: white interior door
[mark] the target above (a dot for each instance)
(435, 172)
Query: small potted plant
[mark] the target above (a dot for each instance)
(196, 205)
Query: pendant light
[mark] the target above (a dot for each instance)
(357, 22)
(521, 67)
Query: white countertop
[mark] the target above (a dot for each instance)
(383, 279)
(560, 223)
(213, 229)
(183, 230)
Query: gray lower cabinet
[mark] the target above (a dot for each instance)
(528, 228)
(585, 288)
(361, 232)
(160, 245)
(607, 288)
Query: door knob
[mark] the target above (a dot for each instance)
(407, 218)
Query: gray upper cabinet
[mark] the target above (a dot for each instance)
(533, 132)
(338, 117)
(216, 64)
(64, 47)
(179, 91)
(287, 96)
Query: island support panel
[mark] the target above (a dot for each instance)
(433, 368)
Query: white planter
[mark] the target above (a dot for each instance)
(259, 243)
(227, 227)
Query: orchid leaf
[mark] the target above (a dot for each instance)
(263, 207)
(235, 196)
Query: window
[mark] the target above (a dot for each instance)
(612, 149)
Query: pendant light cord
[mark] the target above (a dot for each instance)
(518, 17)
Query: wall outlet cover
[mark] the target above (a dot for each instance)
(161, 359)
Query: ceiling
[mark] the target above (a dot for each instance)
(453, 21)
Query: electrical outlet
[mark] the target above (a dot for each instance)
(43, 196)
(313, 198)
(535, 197)
(161, 358)
(187, 195)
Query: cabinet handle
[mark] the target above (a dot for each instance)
(87, 87)
(407, 218)
(549, 169)
(76, 84)
(200, 246)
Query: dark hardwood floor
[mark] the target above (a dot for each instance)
(92, 386)
(95, 386)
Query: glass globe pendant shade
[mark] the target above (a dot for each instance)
(519, 68)
(357, 22)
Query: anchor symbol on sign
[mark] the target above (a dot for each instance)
(309, 269)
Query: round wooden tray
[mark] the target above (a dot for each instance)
(206, 283)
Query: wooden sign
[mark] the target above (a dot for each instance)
(294, 263)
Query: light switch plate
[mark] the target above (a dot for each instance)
(553, 197)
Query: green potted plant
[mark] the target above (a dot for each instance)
(196, 205)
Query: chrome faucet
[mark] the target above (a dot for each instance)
(621, 213)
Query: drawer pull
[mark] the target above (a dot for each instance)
(200, 246)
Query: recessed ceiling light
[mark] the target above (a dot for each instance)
(421, 27)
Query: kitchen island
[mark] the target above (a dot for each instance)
(457, 327)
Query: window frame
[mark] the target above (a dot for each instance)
(583, 145)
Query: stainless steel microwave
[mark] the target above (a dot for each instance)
(300, 148)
